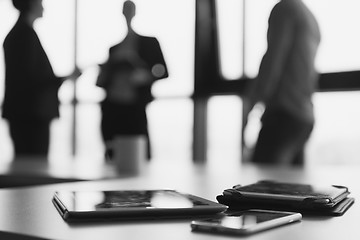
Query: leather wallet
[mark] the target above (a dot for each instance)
(331, 200)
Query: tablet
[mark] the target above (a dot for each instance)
(131, 204)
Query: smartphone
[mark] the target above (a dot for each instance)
(245, 222)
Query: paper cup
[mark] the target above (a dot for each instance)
(129, 153)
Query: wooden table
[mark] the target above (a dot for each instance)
(29, 211)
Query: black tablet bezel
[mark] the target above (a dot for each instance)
(136, 213)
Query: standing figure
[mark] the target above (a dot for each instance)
(127, 77)
(285, 84)
(31, 87)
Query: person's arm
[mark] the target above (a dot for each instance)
(279, 39)
(156, 67)
(159, 69)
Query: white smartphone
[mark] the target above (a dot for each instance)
(245, 222)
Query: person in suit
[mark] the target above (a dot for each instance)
(133, 66)
(286, 81)
(31, 87)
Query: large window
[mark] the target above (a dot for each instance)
(82, 31)
(241, 44)
(339, 49)
(101, 25)
(242, 39)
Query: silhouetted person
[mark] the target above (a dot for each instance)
(127, 77)
(285, 84)
(31, 87)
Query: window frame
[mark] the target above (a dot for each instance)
(207, 60)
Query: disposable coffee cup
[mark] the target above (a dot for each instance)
(129, 153)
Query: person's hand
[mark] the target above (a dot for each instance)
(75, 74)
(121, 90)
(246, 151)
(141, 77)
(247, 107)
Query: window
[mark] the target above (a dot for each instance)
(100, 24)
(338, 60)
(241, 39)
(340, 49)
(231, 42)
(340, 38)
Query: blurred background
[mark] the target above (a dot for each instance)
(81, 32)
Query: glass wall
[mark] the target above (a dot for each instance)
(340, 48)
(338, 25)
(100, 25)
(231, 42)
(336, 114)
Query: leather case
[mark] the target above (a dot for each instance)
(329, 200)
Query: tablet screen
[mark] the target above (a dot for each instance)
(102, 200)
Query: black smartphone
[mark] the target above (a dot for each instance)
(246, 222)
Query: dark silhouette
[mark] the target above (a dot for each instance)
(285, 83)
(127, 77)
(31, 87)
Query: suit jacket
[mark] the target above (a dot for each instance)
(149, 50)
(31, 86)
